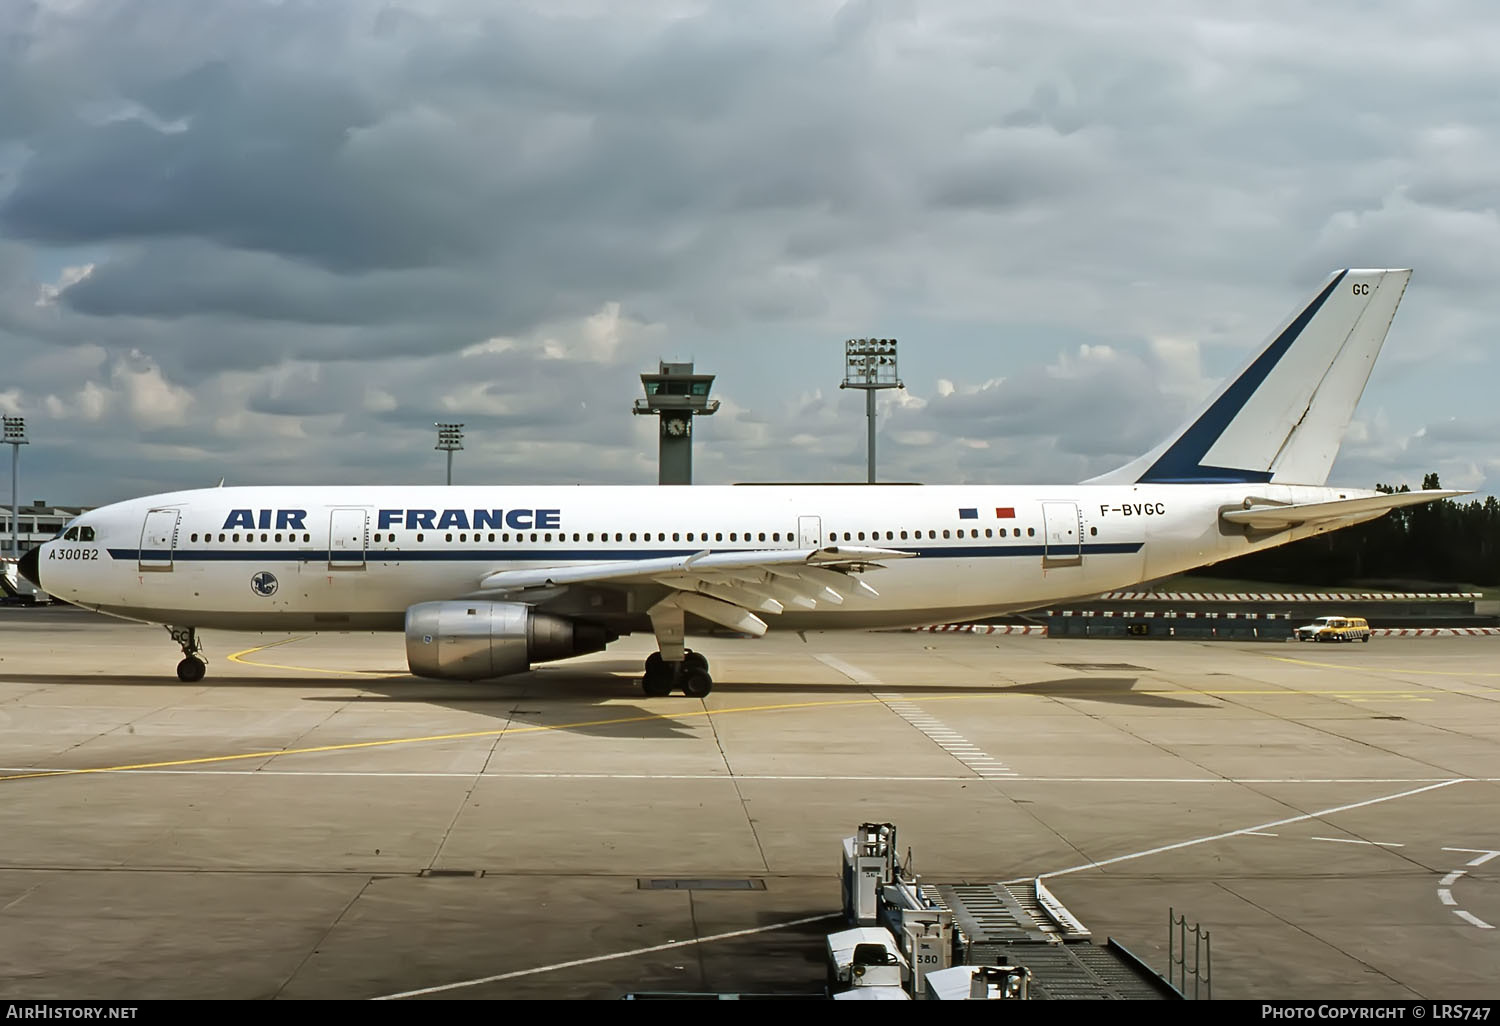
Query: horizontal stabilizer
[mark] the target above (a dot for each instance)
(1268, 517)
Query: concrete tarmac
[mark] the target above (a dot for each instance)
(312, 822)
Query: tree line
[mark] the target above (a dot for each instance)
(1442, 542)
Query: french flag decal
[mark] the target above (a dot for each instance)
(968, 514)
(1005, 512)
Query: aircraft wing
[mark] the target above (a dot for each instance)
(1269, 517)
(727, 588)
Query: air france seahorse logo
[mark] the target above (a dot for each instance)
(263, 583)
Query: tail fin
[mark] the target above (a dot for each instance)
(1281, 419)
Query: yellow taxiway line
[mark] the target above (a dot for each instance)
(239, 657)
(1385, 669)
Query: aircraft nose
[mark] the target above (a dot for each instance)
(29, 566)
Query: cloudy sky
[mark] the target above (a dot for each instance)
(275, 241)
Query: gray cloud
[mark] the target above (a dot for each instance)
(293, 229)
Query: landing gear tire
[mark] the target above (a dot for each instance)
(192, 667)
(657, 682)
(695, 682)
(694, 661)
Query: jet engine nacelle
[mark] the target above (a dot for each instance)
(475, 640)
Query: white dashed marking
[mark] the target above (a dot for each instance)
(946, 738)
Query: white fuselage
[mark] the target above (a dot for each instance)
(340, 558)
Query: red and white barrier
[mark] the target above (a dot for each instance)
(1152, 614)
(1434, 632)
(985, 628)
(1279, 596)
(1382, 632)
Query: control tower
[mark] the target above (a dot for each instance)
(676, 395)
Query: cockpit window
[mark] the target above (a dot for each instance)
(85, 534)
(72, 534)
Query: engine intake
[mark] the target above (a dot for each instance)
(476, 640)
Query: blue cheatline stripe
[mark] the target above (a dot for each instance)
(458, 555)
(1182, 463)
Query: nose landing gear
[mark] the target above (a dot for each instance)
(192, 668)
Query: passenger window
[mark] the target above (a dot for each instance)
(903, 536)
(932, 534)
(505, 537)
(278, 537)
(989, 532)
(264, 538)
(718, 536)
(762, 536)
(548, 537)
(734, 536)
(448, 537)
(221, 537)
(676, 537)
(462, 537)
(236, 537)
(1030, 532)
(621, 537)
(492, 536)
(419, 537)
(1093, 530)
(661, 536)
(305, 538)
(945, 534)
(776, 536)
(195, 537)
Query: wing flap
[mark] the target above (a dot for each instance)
(1268, 517)
(719, 564)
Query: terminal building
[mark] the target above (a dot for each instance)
(39, 522)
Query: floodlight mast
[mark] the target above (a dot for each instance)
(450, 440)
(15, 437)
(870, 364)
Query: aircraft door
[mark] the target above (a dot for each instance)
(348, 537)
(158, 539)
(809, 532)
(1063, 531)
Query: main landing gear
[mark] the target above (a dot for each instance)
(192, 668)
(690, 676)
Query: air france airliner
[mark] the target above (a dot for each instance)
(487, 581)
